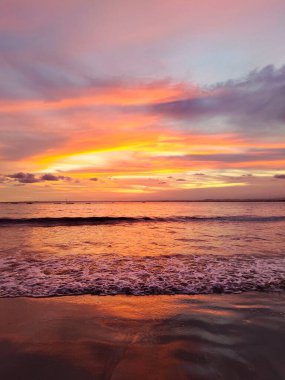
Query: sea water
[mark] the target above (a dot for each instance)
(141, 248)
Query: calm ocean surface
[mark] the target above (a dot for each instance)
(141, 248)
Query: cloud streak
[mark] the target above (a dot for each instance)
(256, 102)
(134, 91)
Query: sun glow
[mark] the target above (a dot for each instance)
(117, 107)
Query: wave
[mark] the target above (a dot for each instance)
(110, 274)
(94, 220)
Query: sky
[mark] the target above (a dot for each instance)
(142, 100)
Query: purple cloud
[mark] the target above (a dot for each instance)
(52, 177)
(24, 177)
(256, 101)
(280, 176)
(32, 178)
(49, 177)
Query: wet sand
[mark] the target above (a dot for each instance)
(154, 337)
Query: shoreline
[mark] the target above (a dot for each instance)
(216, 336)
(253, 200)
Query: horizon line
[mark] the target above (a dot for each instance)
(150, 201)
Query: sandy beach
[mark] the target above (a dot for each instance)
(152, 337)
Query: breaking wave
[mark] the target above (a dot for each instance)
(95, 220)
(111, 274)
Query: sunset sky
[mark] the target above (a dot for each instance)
(142, 100)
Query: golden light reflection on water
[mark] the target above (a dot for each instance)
(151, 307)
(143, 239)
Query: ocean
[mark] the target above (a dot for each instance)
(141, 248)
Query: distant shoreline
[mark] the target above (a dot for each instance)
(154, 201)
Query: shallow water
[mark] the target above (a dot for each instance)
(201, 337)
(141, 248)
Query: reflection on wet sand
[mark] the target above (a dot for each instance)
(155, 337)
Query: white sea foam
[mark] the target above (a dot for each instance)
(41, 276)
